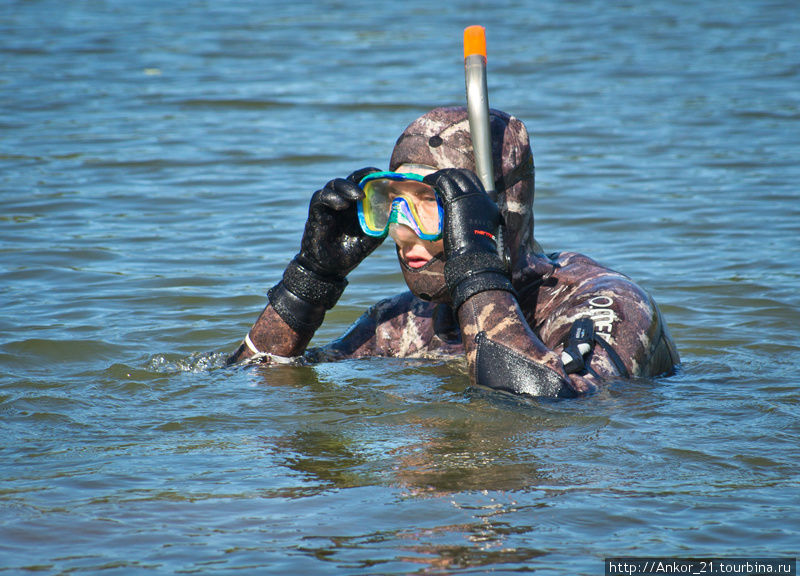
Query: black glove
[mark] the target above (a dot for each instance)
(471, 222)
(333, 245)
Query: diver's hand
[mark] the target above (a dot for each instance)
(471, 218)
(333, 243)
(471, 221)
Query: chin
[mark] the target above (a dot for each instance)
(427, 280)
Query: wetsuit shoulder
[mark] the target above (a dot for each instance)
(624, 314)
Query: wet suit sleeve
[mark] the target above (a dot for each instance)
(504, 353)
(270, 334)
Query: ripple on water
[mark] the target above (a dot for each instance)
(156, 168)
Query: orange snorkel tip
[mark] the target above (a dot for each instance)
(474, 41)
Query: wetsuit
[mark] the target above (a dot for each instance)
(555, 325)
(554, 293)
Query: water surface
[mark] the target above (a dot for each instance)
(155, 166)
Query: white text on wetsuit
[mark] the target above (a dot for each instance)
(602, 314)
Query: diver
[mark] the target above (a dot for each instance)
(480, 285)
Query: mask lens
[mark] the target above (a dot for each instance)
(391, 197)
(377, 205)
(426, 210)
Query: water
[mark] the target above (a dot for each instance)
(155, 165)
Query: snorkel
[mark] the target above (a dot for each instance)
(478, 105)
(478, 113)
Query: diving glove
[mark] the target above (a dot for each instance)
(471, 223)
(333, 245)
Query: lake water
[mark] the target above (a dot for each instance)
(156, 160)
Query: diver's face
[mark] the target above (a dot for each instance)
(412, 249)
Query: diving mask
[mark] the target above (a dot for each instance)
(399, 198)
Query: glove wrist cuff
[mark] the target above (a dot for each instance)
(303, 317)
(474, 272)
(315, 289)
(302, 297)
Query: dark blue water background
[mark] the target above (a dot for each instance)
(156, 159)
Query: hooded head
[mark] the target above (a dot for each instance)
(441, 139)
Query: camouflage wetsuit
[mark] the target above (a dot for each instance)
(513, 338)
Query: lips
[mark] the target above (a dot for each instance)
(416, 258)
(416, 262)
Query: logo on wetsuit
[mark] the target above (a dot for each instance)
(602, 315)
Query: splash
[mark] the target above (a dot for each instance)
(197, 362)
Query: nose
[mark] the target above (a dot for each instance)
(402, 234)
